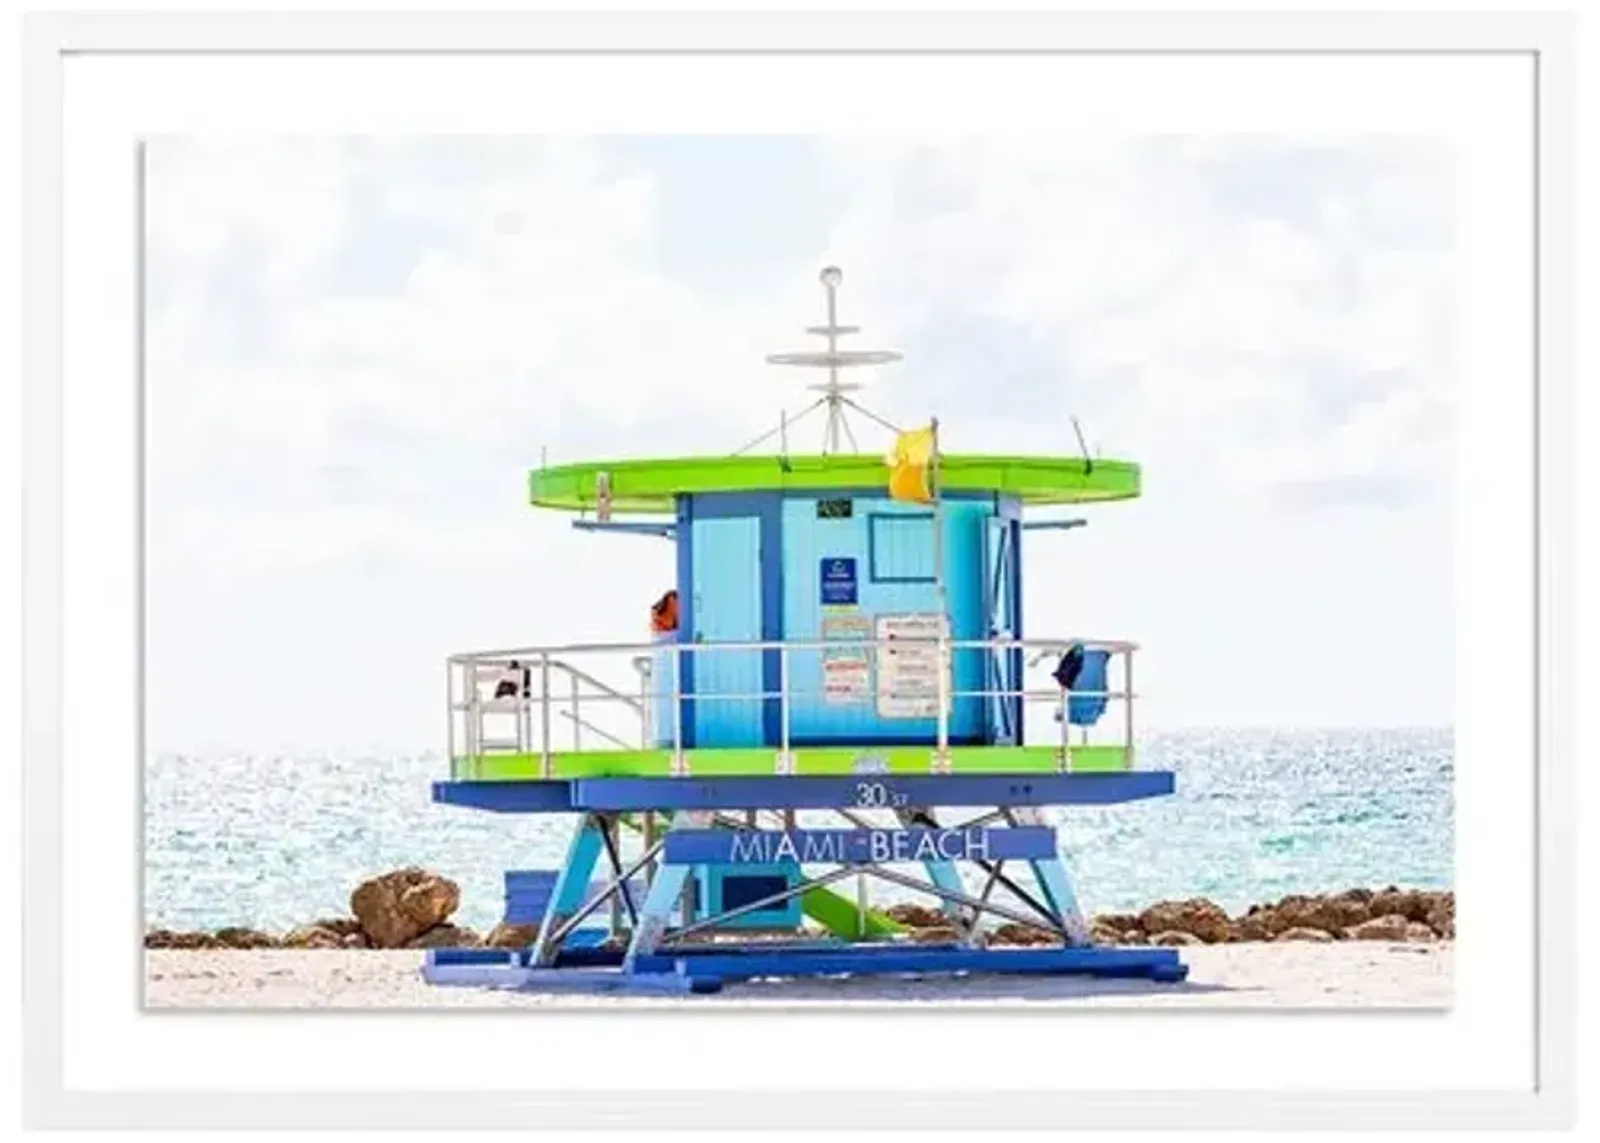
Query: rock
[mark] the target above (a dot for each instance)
(1316, 936)
(1359, 896)
(917, 916)
(1135, 937)
(397, 907)
(1251, 927)
(1012, 933)
(1412, 904)
(504, 936)
(934, 935)
(343, 926)
(1175, 937)
(311, 937)
(355, 941)
(1330, 914)
(1196, 916)
(1441, 916)
(1420, 933)
(1104, 936)
(168, 939)
(1120, 922)
(445, 937)
(1392, 927)
(237, 938)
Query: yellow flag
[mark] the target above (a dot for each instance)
(909, 463)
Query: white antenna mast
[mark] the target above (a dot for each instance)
(833, 359)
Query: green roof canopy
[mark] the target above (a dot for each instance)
(650, 486)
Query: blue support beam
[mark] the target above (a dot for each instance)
(535, 797)
(707, 969)
(877, 792)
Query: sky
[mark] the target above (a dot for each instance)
(356, 348)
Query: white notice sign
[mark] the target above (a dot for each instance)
(847, 668)
(908, 676)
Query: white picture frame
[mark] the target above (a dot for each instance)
(57, 1094)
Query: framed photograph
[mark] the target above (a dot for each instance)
(799, 545)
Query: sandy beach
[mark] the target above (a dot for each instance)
(1353, 974)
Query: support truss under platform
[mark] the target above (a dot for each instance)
(688, 904)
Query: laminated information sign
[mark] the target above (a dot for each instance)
(908, 675)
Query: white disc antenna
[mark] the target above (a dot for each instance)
(834, 359)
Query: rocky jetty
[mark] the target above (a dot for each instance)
(411, 908)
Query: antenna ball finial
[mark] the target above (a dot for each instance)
(831, 277)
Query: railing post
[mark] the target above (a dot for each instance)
(941, 756)
(1064, 711)
(785, 763)
(472, 730)
(544, 713)
(1127, 702)
(450, 715)
(677, 710)
(577, 718)
(647, 701)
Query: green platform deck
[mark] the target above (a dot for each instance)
(651, 486)
(763, 762)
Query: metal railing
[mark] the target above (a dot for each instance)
(549, 688)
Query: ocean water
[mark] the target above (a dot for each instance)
(276, 841)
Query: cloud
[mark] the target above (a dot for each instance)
(356, 349)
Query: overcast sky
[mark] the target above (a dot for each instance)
(356, 349)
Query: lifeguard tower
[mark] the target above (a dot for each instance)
(836, 691)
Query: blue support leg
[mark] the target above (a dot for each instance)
(572, 886)
(943, 874)
(1055, 881)
(666, 890)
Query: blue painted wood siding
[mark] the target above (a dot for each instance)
(726, 607)
(904, 550)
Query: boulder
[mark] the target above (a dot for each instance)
(344, 926)
(1135, 937)
(917, 916)
(397, 907)
(934, 935)
(1441, 916)
(504, 936)
(1420, 933)
(238, 938)
(1104, 935)
(1012, 933)
(1196, 916)
(1121, 922)
(1175, 937)
(1412, 904)
(1330, 914)
(1252, 926)
(311, 937)
(445, 937)
(1316, 936)
(1393, 927)
(169, 939)
(356, 940)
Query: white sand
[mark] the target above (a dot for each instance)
(1342, 975)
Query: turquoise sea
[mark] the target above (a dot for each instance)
(275, 841)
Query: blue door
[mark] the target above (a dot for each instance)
(727, 609)
(1002, 597)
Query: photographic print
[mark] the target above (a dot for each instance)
(799, 570)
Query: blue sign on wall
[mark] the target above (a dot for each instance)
(839, 581)
(845, 846)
